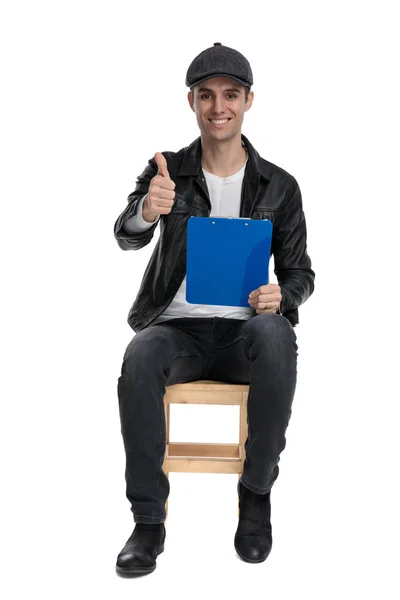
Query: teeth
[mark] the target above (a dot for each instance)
(219, 122)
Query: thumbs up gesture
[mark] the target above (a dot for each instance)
(160, 197)
(161, 164)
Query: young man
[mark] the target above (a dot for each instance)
(219, 174)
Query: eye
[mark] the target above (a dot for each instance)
(233, 96)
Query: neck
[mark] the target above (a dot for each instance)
(223, 158)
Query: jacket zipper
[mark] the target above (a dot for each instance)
(201, 183)
(242, 196)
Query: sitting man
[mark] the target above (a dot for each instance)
(220, 173)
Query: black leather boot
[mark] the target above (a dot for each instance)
(139, 554)
(253, 538)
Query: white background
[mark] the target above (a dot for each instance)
(90, 91)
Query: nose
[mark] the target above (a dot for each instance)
(218, 104)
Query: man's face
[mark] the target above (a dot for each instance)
(219, 99)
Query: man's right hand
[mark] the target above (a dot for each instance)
(160, 196)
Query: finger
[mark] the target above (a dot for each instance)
(163, 203)
(261, 301)
(163, 183)
(165, 193)
(267, 310)
(161, 164)
(267, 297)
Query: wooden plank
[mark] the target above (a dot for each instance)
(209, 385)
(202, 397)
(188, 465)
(203, 450)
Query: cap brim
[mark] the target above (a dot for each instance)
(220, 75)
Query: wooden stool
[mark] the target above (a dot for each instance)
(196, 457)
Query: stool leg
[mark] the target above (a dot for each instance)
(167, 407)
(238, 496)
(243, 432)
(166, 504)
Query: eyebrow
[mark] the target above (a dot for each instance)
(204, 89)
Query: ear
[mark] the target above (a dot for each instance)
(190, 99)
(249, 102)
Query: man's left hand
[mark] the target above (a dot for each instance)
(266, 298)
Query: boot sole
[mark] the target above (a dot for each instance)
(139, 570)
(252, 560)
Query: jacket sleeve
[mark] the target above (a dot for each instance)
(292, 263)
(139, 239)
(136, 223)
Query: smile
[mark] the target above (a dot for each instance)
(219, 122)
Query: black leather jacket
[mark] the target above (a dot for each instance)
(268, 192)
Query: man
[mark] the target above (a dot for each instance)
(220, 173)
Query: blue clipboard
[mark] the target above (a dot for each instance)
(226, 259)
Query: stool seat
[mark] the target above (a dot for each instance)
(195, 457)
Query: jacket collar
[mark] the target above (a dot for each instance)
(191, 163)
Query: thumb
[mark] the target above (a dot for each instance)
(162, 164)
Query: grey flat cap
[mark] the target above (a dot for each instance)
(219, 61)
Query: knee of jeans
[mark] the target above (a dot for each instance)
(270, 324)
(148, 349)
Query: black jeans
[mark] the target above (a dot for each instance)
(261, 352)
